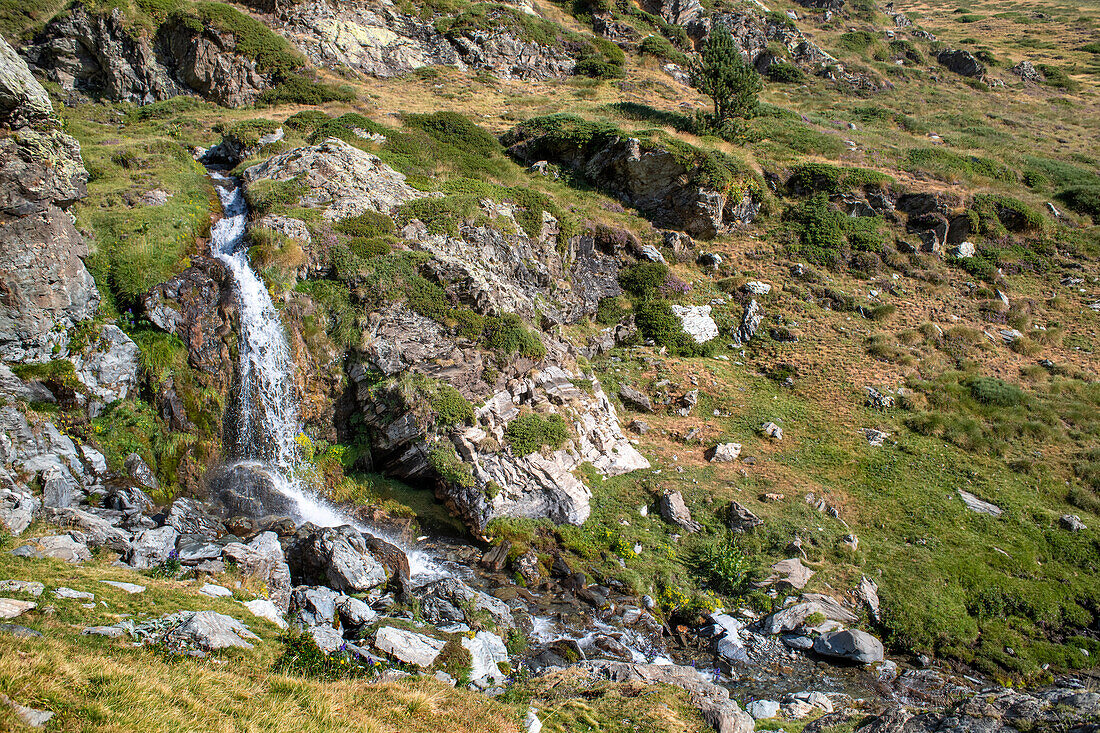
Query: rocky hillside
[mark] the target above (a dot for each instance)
(620, 421)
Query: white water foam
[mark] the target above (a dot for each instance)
(268, 426)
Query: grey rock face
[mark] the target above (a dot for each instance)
(140, 472)
(342, 180)
(851, 644)
(741, 519)
(696, 322)
(336, 557)
(793, 618)
(188, 516)
(313, 606)
(152, 547)
(59, 547)
(110, 368)
(47, 288)
(750, 323)
(95, 53)
(635, 398)
(979, 506)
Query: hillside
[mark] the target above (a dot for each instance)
(809, 401)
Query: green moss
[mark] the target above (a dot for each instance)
(992, 391)
(529, 433)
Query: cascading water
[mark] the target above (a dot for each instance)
(267, 428)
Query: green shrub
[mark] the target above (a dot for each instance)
(610, 311)
(272, 53)
(368, 224)
(1083, 200)
(1015, 215)
(724, 566)
(660, 47)
(509, 335)
(450, 407)
(819, 230)
(449, 467)
(440, 215)
(303, 658)
(247, 133)
(783, 72)
(992, 391)
(366, 248)
(644, 279)
(456, 130)
(306, 120)
(811, 178)
(1057, 77)
(945, 164)
(297, 89)
(167, 108)
(529, 433)
(656, 320)
(341, 316)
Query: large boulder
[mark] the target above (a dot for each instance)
(961, 62)
(339, 179)
(448, 601)
(336, 557)
(408, 646)
(188, 516)
(110, 367)
(851, 644)
(210, 631)
(811, 606)
(153, 547)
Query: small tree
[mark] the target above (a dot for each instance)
(723, 75)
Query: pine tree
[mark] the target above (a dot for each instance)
(723, 75)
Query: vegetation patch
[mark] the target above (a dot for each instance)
(531, 432)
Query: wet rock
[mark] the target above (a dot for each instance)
(448, 599)
(333, 556)
(675, 511)
(850, 644)
(408, 646)
(211, 631)
(338, 178)
(742, 520)
(527, 565)
(496, 559)
(248, 489)
(635, 398)
(152, 547)
(725, 452)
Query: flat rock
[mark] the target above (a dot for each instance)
(762, 709)
(131, 588)
(408, 646)
(30, 716)
(215, 591)
(14, 608)
(725, 452)
(59, 547)
(980, 506)
(111, 632)
(211, 631)
(30, 587)
(76, 595)
(792, 618)
(265, 609)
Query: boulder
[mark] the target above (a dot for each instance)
(265, 609)
(725, 452)
(487, 650)
(139, 471)
(211, 631)
(13, 608)
(635, 398)
(58, 547)
(771, 430)
(792, 617)
(750, 323)
(789, 573)
(128, 500)
(109, 369)
(18, 507)
(313, 606)
(338, 178)
(961, 62)
(152, 547)
(867, 591)
(263, 558)
(1028, 73)
(762, 709)
(850, 644)
(327, 639)
(696, 322)
(333, 556)
(248, 490)
(97, 531)
(675, 511)
(408, 646)
(448, 600)
(979, 506)
(741, 519)
(1072, 523)
(354, 613)
(193, 549)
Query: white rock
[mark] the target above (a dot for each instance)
(697, 322)
(265, 609)
(215, 591)
(13, 608)
(756, 287)
(408, 646)
(762, 709)
(131, 588)
(71, 594)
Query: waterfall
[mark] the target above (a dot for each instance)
(267, 425)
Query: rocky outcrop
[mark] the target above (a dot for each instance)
(961, 62)
(94, 53)
(44, 287)
(99, 54)
(662, 184)
(499, 483)
(338, 178)
(373, 38)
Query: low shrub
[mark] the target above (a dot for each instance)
(644, 279)
(660, 47)
(992, 391)
(783, 72)
(368, 224)
(449, 467)
(529, 433)
(610, 311)
(509, 335)
(1083, 200)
